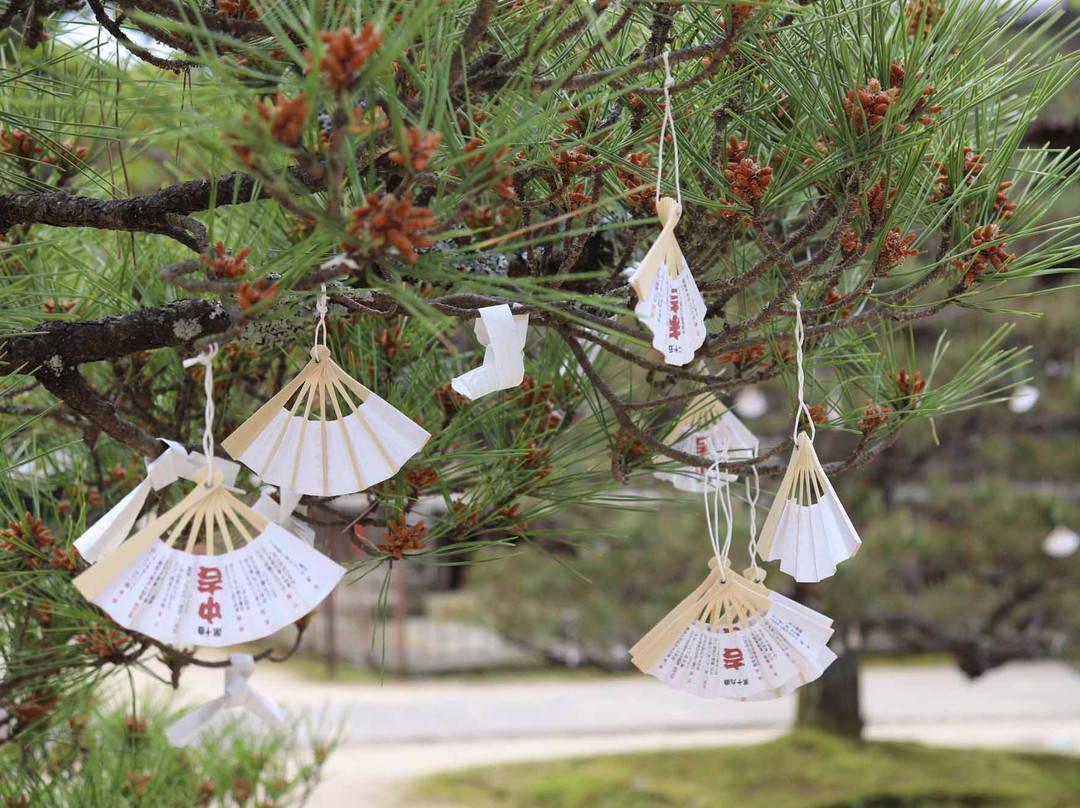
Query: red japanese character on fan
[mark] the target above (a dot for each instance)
(733, 658)
(209, 581)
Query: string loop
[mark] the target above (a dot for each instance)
(800, 336)
(321, 307)
(668, 120)
(752, 498)
(721, 504)
(206, 359)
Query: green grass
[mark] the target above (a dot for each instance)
(804, 770)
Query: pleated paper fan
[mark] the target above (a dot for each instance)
(669, 302)
(734, 638)
(336, 437)
(711, 430)
(807, 529)
(155, 582)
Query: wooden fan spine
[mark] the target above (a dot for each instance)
(191, 525)
(772, 520)
(237, 523)
(645, 275)
(676, 263)
(223, 527)
(92, 581)
(257, 521)
(349, 450)
(364, 424)
(300, 397)
(651, 648)
(322, 435)
(181, 524)
(311, 391)
(244, 434)
(358, 389)
(208, 536)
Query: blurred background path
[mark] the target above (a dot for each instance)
(401, 731)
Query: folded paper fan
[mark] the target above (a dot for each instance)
(807, 528)
(503, 336)
(669, 302)
(711, 430)
(302, 448)
(734, 638)
(156, 584)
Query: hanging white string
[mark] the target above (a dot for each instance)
(669, 82)
(321, 307)
(721, 504)
(752, 498)
(800, 335)
(206, 359)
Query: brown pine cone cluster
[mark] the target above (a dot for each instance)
(393, 221)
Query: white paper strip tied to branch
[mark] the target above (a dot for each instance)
(239, 695)
(734, 638)
(669, 302)
(281, 512)
(710, 430)
(335, 437)
(156, 584)
(807, 529)
(503, 336)
(106, 534)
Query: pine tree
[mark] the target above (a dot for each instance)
(422, 160)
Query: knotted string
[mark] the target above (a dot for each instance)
(669, 82)
(752, 498)
(800, 335)
(721, 504)
(321, 307)
(206, 359)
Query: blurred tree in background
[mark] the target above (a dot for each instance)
(428, 158)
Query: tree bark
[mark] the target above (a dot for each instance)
(831, 704)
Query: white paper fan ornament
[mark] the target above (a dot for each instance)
(669, 302)
(325, 434)
(734, 638)
(710, 430)
(807, 529)
(157, 584)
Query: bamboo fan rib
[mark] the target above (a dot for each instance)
(734, 638)
(711, 430)
(807, 528)
(252, 579)
(337, 437)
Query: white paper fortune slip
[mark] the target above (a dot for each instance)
(336, 437)
(669, 302)
(807, 528)
(239, 695)
(151, 585)
(503, 336)
(710, 430)
(106, 534)
(734, 638)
